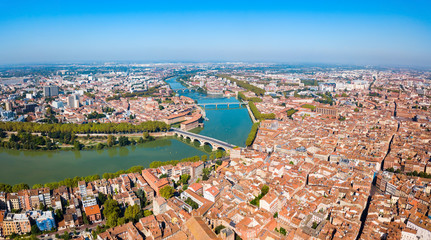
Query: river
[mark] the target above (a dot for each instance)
(31, 167)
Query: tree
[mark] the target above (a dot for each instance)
(167, 192)
(184, 179)
(219, 154)
(123, 141)
(218, 229)
(59, 214)
(85, 219)
(111, 212)
(37, 186)
(264, 190)
(65, 236)
(102, 198)
(42, 207)
(131, 213)
(204, 158)
(19, 187)
(252, 135)
(35, 230)
(5, 188)
(283, 231)
(100, 146)
(141, 195)
(111, 141)
(77, 145)
(148, 213)
(192, 203)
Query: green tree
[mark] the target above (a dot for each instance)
(100, 146)
(77, 145)
(167, 192)
(131, 213)
(5, 188)
(19, 187)
(184, 179)
(35, 230)
(102, 198)
(147, 213)
(111, 211)
(37, 186)
(111, 141)
(252, 135)
(264, 190)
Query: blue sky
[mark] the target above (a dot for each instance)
(352, 32)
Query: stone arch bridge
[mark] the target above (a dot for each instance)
(216, 144)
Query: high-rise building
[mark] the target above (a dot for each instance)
(8, 106)
(50, 91)
(73, 101)
(82, 188)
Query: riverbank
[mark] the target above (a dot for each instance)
(228, 125)
(89, 141)
(47, 166)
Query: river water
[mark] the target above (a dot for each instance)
(31, 167)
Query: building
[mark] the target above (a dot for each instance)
(88, 201)
(3, 200)
(2, 215)
(212, 194)
(73, 101)
(57, 104)
(126, 231)
(269, 202)
(50, 91)
(159, 205)
(154, 182)
(93, 213)
(199, 230)
(191, 123)
(44, 220)
(8, 106)
(196, 187)
(180, 117)
(326, 111)
(82, 188)
(16, 223)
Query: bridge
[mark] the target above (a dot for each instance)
(204, 105)
(216, 144)
(184, 90)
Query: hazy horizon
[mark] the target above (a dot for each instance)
(388, 33)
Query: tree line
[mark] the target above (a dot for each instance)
(245, 85)
(242, 97)
(252, 135)
(24, 140)
(149, 126)
(259, 115)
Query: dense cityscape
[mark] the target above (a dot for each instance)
(333, 151)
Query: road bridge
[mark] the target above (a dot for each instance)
(184, 90)
(204, 105)
(215, 143)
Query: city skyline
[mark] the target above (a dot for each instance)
(376, 33)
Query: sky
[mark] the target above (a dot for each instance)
(342, 32)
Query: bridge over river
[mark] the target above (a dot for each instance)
(215, 143)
